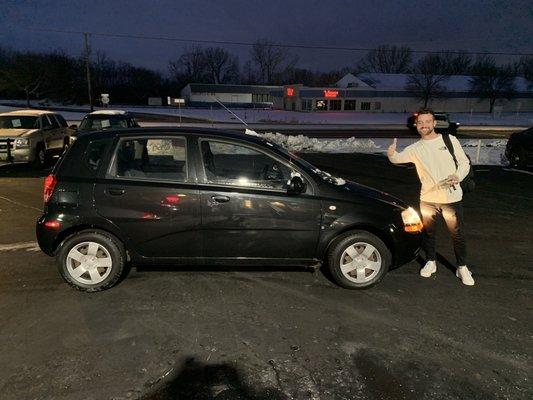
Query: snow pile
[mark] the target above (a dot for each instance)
(306, 144)
(481, 151)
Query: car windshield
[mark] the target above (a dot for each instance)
(322, 174)
(18, 122)
(97, 123)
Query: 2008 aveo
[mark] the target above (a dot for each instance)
(199, 196)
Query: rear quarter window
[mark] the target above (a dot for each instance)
(84, 159)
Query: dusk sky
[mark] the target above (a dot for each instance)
(492, 25)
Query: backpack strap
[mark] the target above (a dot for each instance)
(449, 145)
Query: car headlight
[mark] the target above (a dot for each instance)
(411, 220)
(22, 143)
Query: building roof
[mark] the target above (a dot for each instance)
(213, 88)
(454, 83)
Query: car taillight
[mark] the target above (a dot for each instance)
(49, 185)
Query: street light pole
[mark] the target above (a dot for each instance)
(88, 70)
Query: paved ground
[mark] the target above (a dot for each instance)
(193, 333)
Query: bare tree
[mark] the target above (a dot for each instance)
(524, 68)
(387, 59)
(455, 63)
(427, 81)
(25, 72)
(221, 65)
(491, 81)
(269, 59)
(191, 66)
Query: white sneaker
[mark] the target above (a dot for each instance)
(465, 275)
(429, 269)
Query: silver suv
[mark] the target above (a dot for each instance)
(32, 136)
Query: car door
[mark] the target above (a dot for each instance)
(56, 133)
(149, 193)
(246, 211)
(47, 132)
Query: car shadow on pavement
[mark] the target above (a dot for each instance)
(23, 171)
(198, 380)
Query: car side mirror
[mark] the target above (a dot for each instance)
(296, 185)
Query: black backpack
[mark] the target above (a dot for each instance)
(468, 184)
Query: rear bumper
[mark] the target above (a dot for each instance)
(45, 237)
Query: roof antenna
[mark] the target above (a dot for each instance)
(228, 110)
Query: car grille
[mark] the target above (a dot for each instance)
(6, 146)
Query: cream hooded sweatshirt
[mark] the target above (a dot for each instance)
(434, 163)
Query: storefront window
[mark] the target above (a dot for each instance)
(335, 105)
(349, 104)
(307, 105)
(365, 105)
(377, 105)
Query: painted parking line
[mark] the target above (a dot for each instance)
(19, 204)
(28, 246)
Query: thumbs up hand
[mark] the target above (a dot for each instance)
(392, 148)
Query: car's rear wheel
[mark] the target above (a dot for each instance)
(91, 261)
(358, 260)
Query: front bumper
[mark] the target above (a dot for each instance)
(9, 153)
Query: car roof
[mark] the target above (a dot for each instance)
(157, 131)
(109, 112)
(28, 113)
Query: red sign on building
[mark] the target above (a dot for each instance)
(331, 93)
(290, 91)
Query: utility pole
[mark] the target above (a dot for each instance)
(88, 70)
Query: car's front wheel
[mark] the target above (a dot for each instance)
(39, 157)
(358, 260)
(91, 261)
(517, 158)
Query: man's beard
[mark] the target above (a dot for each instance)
(426, 133)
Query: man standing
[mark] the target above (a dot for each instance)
(441, 193)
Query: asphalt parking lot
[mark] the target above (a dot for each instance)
(278, 333)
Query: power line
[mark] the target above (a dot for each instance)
(249, 44)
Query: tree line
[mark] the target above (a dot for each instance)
(61, 78)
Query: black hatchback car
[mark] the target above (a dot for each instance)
(519, 149)
(207, 197)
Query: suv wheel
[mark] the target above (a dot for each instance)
(516, 158)
(91, 261)
(358, 260)
(39, 159)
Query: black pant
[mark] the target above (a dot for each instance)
(453, 216)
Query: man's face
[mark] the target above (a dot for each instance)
(425, 124)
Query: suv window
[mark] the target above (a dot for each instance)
(53, 121)
(61, 120)
(45, 122)
(237, 165)
(151, 158)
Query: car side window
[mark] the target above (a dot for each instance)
(45, 123)
(53, 121)
(238, 165)
(61, 120)
(94, 154)
(151, 158)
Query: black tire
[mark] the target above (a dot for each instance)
(40, 157)
(382, 255)
(517, 158)
(109, 247)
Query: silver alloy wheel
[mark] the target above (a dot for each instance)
(360, 262)
(89, 263)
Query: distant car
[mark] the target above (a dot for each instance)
(444, 125)
(32, 136)
(519, 149)
(209, 197)
(107, 119)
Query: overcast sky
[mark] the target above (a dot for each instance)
(491, 25)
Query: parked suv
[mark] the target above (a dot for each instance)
(32, 136)
(208, 197)
(519, 149)
(444, 125)
(107, 119)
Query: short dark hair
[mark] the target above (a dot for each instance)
(425, 111)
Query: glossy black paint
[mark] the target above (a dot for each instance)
(519, 149)
(197, 222)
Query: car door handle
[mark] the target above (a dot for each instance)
(220, 199)
(115, 191)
